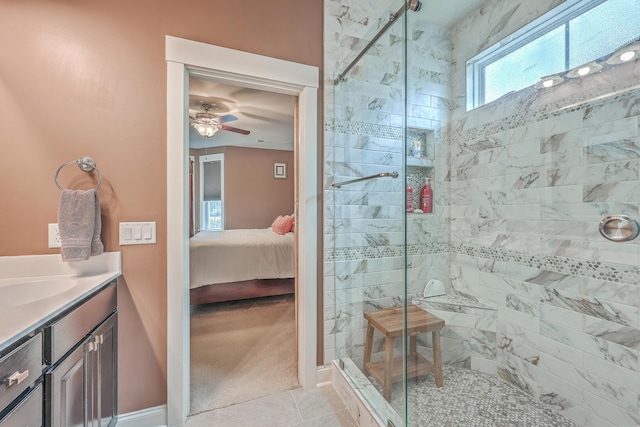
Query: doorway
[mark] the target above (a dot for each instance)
(185, 58)
(242, 324)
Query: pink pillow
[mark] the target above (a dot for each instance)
(282, 224)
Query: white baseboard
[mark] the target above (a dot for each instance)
(149, 417)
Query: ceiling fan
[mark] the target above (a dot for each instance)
(208, 124)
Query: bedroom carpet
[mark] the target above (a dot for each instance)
(242, 350)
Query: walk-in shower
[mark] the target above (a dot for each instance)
(523, 118)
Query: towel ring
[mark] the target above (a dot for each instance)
(86, 164)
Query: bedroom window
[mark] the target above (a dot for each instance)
(213, 214)
(212, 192)
(572, 34)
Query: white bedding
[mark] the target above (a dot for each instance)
(237, 255)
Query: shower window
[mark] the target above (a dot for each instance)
(568, 36)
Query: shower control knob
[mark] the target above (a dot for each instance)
(619, 228)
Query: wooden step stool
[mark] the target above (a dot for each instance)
(389, 322)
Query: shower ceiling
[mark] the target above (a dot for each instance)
(268, 116)
(447, 13)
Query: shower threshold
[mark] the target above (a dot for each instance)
(360, 396)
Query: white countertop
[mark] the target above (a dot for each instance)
(82, 277)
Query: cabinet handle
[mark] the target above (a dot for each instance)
(17, 377)
(95, 343)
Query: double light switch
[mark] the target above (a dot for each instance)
(137, 233)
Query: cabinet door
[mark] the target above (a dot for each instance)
(65, 398)
(102, 375)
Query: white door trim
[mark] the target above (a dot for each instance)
(185, 58)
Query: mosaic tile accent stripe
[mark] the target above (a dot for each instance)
(577, 267)
(527, 116)
(558, 264)
(363, 129)
(377, 252)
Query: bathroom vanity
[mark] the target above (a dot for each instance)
(58, 341)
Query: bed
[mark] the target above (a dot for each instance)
(230, 265)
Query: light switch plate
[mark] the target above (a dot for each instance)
(137, 233)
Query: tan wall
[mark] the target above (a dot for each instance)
(89, 78)
(253, 198)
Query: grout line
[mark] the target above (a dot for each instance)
(295, 402)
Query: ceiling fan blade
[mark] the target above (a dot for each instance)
(227, 118)
(236, 130)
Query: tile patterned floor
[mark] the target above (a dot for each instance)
(320, 407)
(473, 399)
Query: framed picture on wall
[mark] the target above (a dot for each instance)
(280, 170)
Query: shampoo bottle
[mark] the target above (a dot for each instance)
(409, 203)
(426, 198)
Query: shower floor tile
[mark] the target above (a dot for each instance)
(473, 399)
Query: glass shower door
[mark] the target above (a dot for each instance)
(367, 218)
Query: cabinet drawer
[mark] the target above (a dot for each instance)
(28, 413)
(20, 369)
(64, 334)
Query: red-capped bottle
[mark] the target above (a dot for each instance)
(409, 198)
(426, 198)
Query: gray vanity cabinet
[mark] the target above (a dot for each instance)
(80, 385)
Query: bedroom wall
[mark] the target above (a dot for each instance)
(89, 78)
(253, 197)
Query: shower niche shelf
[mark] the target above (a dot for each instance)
(421, 143)
(419, 162)
(420, 154)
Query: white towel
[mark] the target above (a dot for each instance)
(79, 224)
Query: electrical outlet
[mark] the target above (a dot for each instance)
(54, 236)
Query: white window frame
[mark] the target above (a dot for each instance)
(206, 159)
(530, 32)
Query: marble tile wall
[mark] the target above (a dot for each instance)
(468, 338)
(532, 175)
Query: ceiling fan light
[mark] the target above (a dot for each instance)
(206, 130)
(208, 125)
